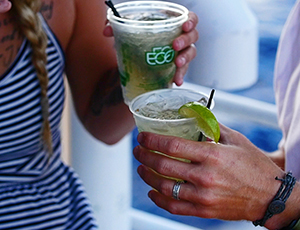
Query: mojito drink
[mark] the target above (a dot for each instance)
(157, 112)
(143, 41)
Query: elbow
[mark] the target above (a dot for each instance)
(115, 135)
(110, 140)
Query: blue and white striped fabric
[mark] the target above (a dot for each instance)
(36, 193)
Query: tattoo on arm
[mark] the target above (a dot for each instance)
(9, 56)
(8, 53)
(108, 93)
(5, 22)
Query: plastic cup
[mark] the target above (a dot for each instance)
(143, 41)
(156, 112)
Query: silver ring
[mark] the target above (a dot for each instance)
(176, 189)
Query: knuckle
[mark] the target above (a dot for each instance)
(208, 181)
(140, 154)
(214, 157)
(161, 166)
(205, 180)
(173, 145)
(208, 200)
(149, 141)
(164, 189)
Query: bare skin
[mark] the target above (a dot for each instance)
(231, 180)
(90, 61)
(5, 6)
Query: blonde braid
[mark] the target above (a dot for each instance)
(25, 13)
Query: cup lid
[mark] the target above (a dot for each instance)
(126, 8)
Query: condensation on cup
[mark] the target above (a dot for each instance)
(143, 40)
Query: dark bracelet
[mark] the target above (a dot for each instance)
(277, 205)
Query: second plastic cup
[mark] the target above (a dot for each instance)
(143, 40)
(157, 112)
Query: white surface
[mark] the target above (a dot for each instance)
(229, 107)
(106, 174)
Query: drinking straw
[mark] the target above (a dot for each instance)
(111, 5)
(211, 96)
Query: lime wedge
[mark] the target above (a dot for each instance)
(207, 121)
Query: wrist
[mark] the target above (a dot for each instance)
(291, 214)
(278, 213)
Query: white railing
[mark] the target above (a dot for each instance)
(230, 106)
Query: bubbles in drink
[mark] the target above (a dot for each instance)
(151, 16)
(165, 109)
(159, 114)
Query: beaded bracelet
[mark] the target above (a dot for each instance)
(277, 205)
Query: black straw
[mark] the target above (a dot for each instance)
(211, 96)
(111, 5)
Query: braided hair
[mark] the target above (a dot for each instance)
(25, 13)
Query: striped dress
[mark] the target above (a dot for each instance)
(36, 193)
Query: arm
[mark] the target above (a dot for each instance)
(93, 76)
(232, 180)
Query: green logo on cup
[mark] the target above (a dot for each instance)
(160, 56)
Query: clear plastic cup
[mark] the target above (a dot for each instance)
(157, 112)
(143, 40)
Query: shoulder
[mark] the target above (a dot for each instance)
(68, 18)
(60, 16)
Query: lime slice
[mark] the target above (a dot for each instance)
(207, 121)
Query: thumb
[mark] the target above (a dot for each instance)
(230, 136)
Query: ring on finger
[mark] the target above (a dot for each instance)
(176, 189)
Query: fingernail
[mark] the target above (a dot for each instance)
(181, 61)
(180, 44)
(189, 25)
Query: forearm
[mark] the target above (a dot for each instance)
(108, 118)
(112, 125)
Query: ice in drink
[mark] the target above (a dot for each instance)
(157, 112)
(143, 41)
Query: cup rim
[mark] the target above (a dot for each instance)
(162, 90)
(149, 24)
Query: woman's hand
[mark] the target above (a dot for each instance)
(231, 180)
(184, 44)
(5, 6)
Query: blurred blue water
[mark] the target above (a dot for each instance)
(272, 15)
